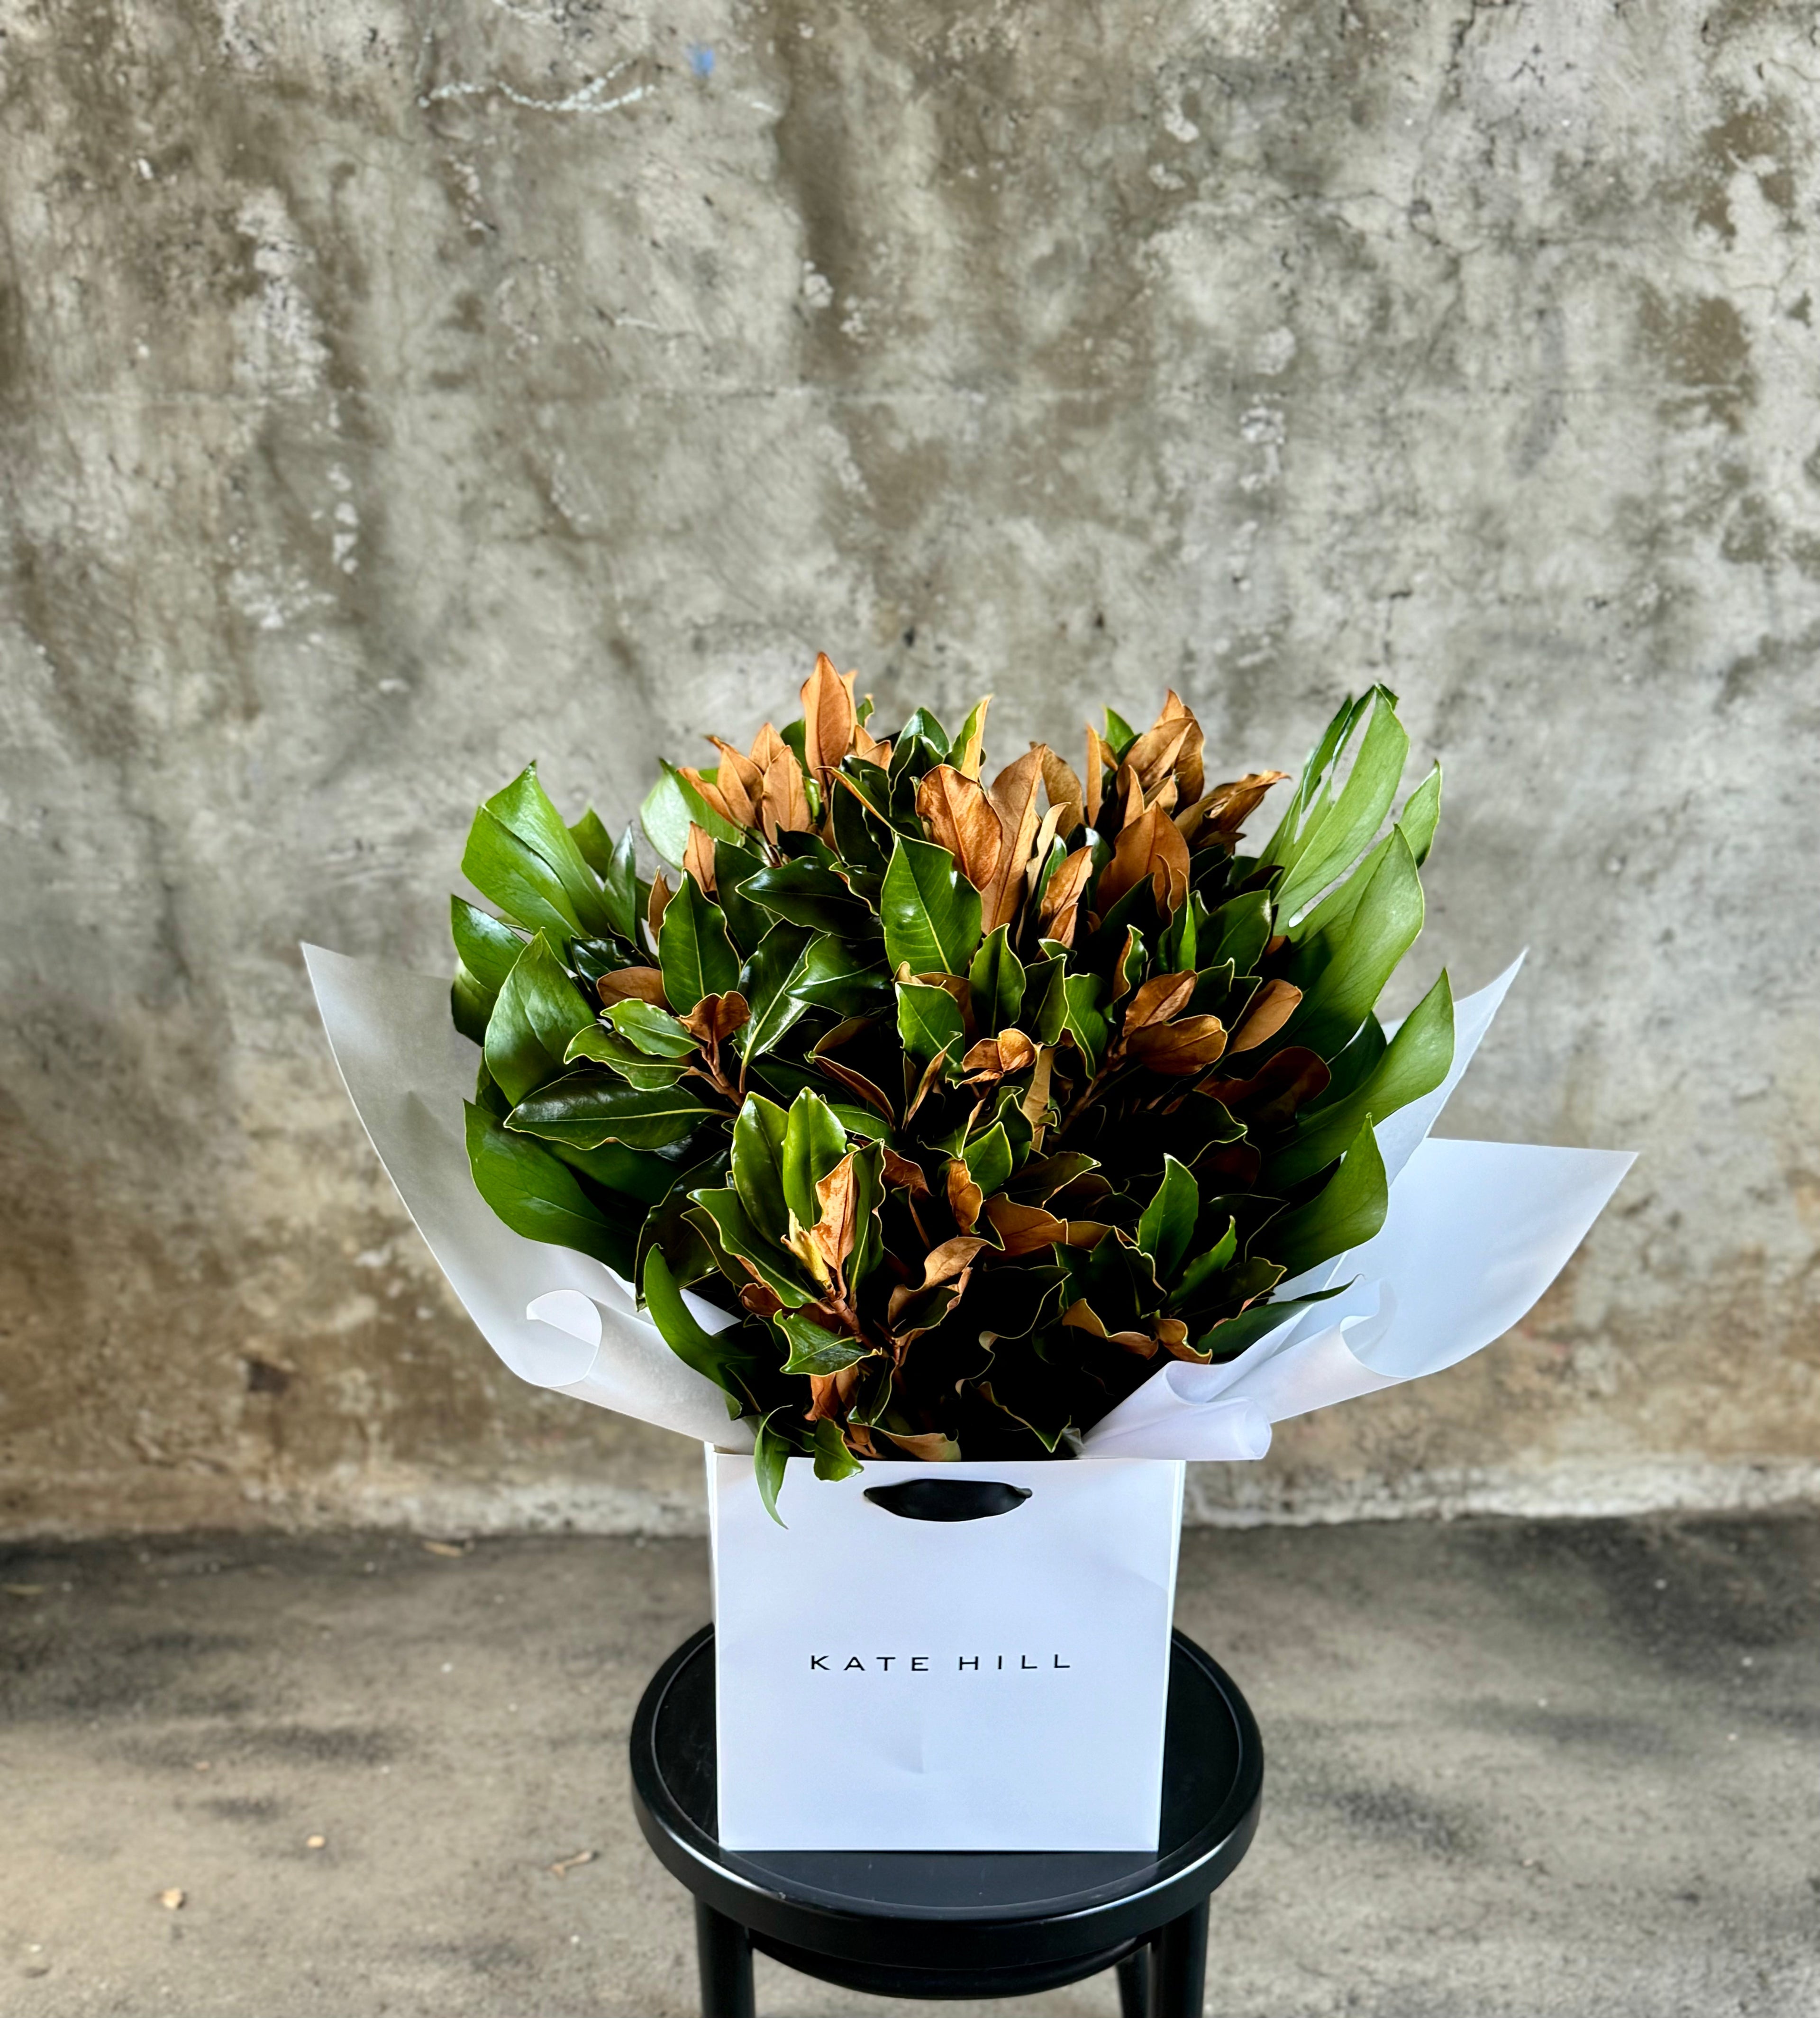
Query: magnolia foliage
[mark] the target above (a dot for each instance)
(970, 1098)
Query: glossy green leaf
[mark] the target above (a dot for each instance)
(644, 1177)
(1337, 833)
(807, 892)
(1415, 1062)
(766, 984)
(771, 1450)
(1238, 931)
(1166, 1227)
(693, 951)
(1083, 1017)
(537, 1013)
(620, 888)
(510, 873)
(1119, 733)
(758, 1164)
(1360, 955)
(540, 1198)
(814, 1142)
(524, 809)
(672, 806)
(594, 843)
(1230, 1337)
(1204, 1266)
(833, 974)
(996, 976)
(747, 923)
(588, 1109)
(928, 1021)
(488, 949)
(601, 1045)
(652, 1030)
(833, 1459)
(1421, 815)
(1347, 1213)
(1045, 1008)
(723, 1357)
(470, 1005)
(743, 1240)
(931, 912)
(989, 1158)
(814, 1351)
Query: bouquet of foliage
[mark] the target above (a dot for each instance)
(966, 1103)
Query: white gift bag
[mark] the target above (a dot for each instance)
(964, 1656)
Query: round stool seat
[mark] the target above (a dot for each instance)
(950, 1923)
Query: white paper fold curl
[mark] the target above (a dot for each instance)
(408, 1070)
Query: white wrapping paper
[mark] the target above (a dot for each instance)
(408, 1070)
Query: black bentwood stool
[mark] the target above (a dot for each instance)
(904, 1923)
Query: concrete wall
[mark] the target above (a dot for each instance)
(393, 394)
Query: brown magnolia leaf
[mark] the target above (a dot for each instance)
(1085, 1232)
(660, 902)
(761, 1299)
(1268, 1010)
(716, 1016)
(1064, 788)
(1099, 761)
(952, 1258)
(1290, 1080)
(901, 1172)
(1158, 998)
(1130, 789)
(1187, 1045)
(1035, 1105)
(831, 1393)
(931, 1072)
(1226, 809)
(1150, 846)
(837, 1195)
(982, 1057)
(1024, 1228)
(765, 746)
(1016, 1052)
(1064, 888)
(709, 790)
(1046, 835)
(828, 716)
(968, 761)
(1139, 1342)
(740, 782)
(1014, 799)
(1170, 1332)
(960, 818)
(698, 859)
(964, 1195)
(873, 1095)
(784, 807)
(1189, 771)
(873, 752)
(1082, 1315)
(631, 984)
(930, 1445)
(1179, 1348)
(1153, 755)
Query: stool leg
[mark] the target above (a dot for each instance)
(1179, 1966)
(1135, 1983)
(724, 1956)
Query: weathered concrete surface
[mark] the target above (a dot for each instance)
(1549, 1771)
(392, 394)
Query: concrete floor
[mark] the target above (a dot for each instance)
(1513, 1768)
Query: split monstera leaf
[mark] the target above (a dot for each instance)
(971, 1100)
